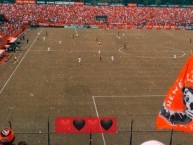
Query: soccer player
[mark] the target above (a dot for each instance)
(96, 38)
(124, 45)
(49, 49)
(100, 57)
(79, 59)
(112, 59)
(99, 43)
(15, 58)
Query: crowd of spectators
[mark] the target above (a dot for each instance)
(7, 28)
(17, 14)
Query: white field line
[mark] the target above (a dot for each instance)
(73, 51)
(182, 55)
(98, 117)
(118, 37)
(132, 96)
(18, 64)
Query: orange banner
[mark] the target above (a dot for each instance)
(177, 110)
(78, 3)
(26, 1)
(132, 5)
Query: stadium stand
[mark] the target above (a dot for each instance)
(21, 15)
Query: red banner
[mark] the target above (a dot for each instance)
(177, 110)
(85, 125)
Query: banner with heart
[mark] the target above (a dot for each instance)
(106, 124)
(79, 123)
(85, 125)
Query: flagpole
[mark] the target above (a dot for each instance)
(131, 136)
(90, 138)
(48, 131)
(10, 125)
(171, 137)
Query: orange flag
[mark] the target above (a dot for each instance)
(177, 110)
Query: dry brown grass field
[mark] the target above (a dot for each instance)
(42, 84)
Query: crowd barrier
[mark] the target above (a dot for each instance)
(116, 26)
(81, 26)
(148, 27)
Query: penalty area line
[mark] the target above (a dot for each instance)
(118, 37)
(98, 117)
(132, 96)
